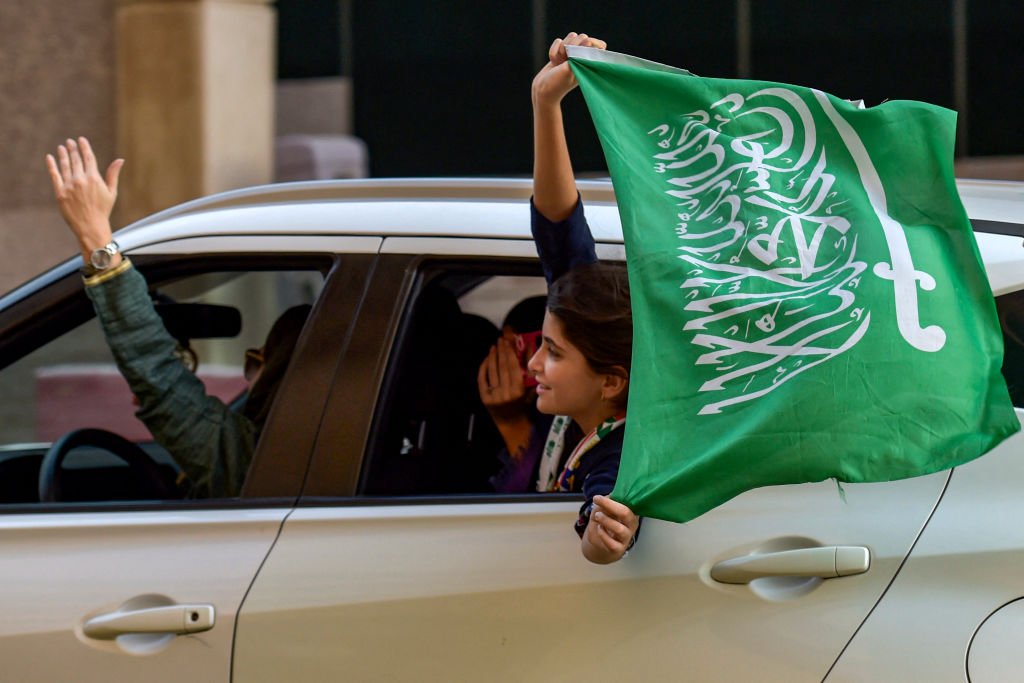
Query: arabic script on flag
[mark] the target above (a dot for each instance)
(752, 179)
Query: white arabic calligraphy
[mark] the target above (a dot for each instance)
(765, 231)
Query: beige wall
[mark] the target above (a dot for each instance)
(991, 168)
(196, 83)
(182, 88)
(57, 79)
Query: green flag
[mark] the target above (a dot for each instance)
(808, 298)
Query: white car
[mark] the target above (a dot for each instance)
(364, 545)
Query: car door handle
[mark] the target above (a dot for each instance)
(176, 619)
(826, 563)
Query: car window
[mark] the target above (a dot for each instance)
(432, 434)
(69, 382)
(1011, 320)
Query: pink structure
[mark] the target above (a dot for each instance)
(75, 396)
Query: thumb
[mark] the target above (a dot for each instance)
(113, 174)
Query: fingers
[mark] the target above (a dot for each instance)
(84, 200)
(555, 48)
(557, 54)
(481, 377)
(58, 182)
(77, 167)
(113, 175)
(65, 163)
(489, 371)
(611, 526)
(88, 158)
(583, 40)
(499, 378)
(613, 508)
(609, 541)
(508, 366)
(499, 365)
(616, 519)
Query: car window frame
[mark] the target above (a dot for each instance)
(336, 480)
(56, 303)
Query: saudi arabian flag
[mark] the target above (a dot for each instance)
(808, 298)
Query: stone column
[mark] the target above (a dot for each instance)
(195, 99)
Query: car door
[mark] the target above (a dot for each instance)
(148, 590)
(961, 591)
(432, 586)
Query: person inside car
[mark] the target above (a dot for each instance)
(507, 391)
(212, 443)
(582, 366)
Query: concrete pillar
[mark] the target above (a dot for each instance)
(195, 99)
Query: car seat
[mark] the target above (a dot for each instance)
(427, 436)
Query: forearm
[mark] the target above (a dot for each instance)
(172, 401)
(95, 236)
(519, 472)
(554, 185)
(142, 347)
(515, 432)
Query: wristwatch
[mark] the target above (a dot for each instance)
(102, 258)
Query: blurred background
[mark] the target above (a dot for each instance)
(202, 96)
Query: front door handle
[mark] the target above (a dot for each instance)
(170, 619)
(826, 563)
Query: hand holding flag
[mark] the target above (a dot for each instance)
(556, 80)
(610, 532)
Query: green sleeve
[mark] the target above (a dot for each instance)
(211, 443)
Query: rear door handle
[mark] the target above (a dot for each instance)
(827, 563)
(171, 619)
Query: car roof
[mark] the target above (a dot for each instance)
(462, 207)
(476, 207)
(482, 207)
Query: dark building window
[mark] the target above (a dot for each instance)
(309, 38)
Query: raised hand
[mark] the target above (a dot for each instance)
(500, 382)
(85, 198)
(555, 80)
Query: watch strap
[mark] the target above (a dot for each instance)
(98, 277)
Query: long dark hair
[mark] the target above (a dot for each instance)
(592, 303)
(277, 352)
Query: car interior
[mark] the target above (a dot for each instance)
(431, 433)
(434, 435)
(67, 426)
(1010, 308)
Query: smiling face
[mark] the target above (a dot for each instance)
(567, 385)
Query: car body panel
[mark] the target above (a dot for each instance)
(1002, 256)
(498, 591)
(61, 568)
(992, 200)
(967, 564)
